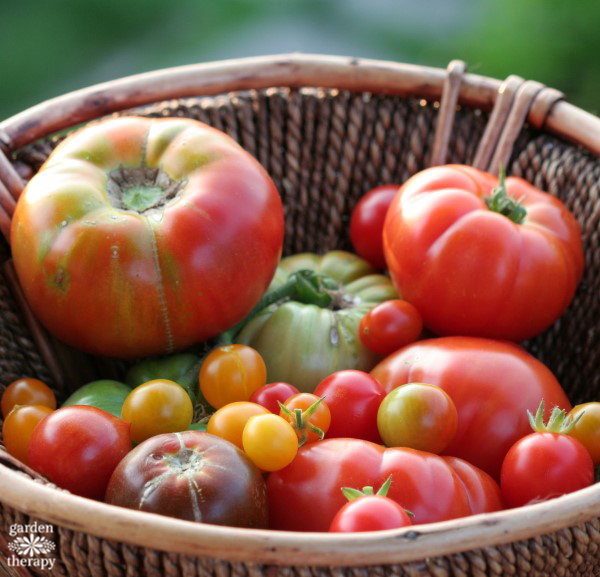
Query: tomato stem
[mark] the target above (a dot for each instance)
(558, 422)
(501, 202)
(305, 286)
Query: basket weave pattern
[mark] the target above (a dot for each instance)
(324, 148)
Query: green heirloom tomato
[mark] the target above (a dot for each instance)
(302, 343)
(104, 394)
(182, 368)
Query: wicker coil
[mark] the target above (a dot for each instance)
(327, 129)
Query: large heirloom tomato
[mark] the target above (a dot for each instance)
(307, 494)
(492, 383)
(141, 236)
(191, 475)
(476, 262)
(303, 341)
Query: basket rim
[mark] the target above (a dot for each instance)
(267, 546)
(279, 70)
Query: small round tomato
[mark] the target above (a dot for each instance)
(194, 476)
(78, 448)
(390, 326)
(229, 421)
(271, 394)
(231, 373)
(366, 223)
(270, 441)
(543, 466)
(586, 428)
(159, 406)
(309, 415)
(419, 416)
(353, 398)
(18, 428)
(370, 513)
(27, 391)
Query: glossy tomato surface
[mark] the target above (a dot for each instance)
(492, 383)
(130, 240)
(370, 513)
(307, 494)
(27, 391)
(78, 448)
(543, 466)
(470, 270)
(191, 475)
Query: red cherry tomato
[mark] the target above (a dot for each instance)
(366, 223)
(269, 395)
(353, 398)
(370, 513)
(78, 448)
(389, 326)
(543, 466)
(27, 391)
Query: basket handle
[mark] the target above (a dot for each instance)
(518, 102)
(11, 186)
(447, 111)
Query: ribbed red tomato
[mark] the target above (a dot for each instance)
(477, 260)
(139, 236)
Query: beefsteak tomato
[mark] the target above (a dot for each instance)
(492, 383)
(301, 342)
(130, 240)
(482, 258)
(307, 494)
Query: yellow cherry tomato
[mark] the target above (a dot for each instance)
(587, 428)
(270, 441)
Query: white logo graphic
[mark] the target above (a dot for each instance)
(29, 547)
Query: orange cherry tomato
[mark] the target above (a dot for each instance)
(229, 421)
(309, 415)
(27, 391)
(18, 428)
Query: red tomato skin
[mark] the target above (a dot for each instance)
(366, 223)
(492, 383)
(482, 490)
(194, 476)
(78, 447)
(353, 398)
(269, 394)
(369, 513)
(390, 326)
(148, 283)
(543, 466)
(471, 271)
(306, 495)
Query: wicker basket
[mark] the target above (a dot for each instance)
(327, 129)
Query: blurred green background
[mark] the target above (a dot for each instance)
(49, 47)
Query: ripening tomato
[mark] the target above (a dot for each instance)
(308, 414)
(480, 257)
(158, 406)
(133, 227)
(586, 428)
(369, 513)
(229, 421)
(492, 383)
(231, 373)
(271, 394)
(270, 441)
(18, 428)
(307, 494)
(78, 447)
(366, 223)
(27, 391)
(191, 475)
(353, 398)
(389, 326)
(417, 415)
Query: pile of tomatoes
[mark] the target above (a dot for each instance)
(366, 390)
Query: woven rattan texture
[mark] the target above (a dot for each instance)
(324, 149)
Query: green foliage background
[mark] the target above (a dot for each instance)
(48, 47)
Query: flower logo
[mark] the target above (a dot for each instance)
(31, 545)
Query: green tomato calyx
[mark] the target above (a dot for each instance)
(558, 422)
(501, 202)
(300, 420)
(352, 494)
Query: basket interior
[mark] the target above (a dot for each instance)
(324, 149)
